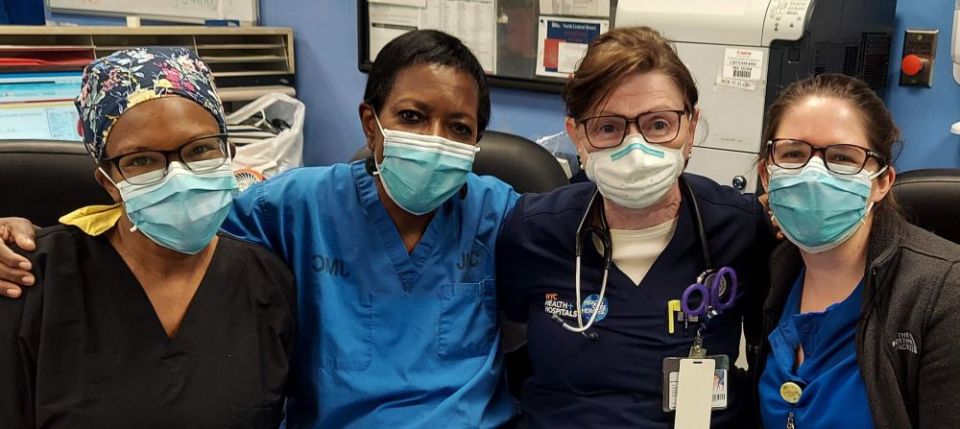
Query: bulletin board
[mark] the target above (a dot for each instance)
(527, 44)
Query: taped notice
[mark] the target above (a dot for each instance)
(745, 64)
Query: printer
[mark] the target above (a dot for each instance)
(742, 53)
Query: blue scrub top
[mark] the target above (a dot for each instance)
(617, 380)
(834, 395)
(385, 338)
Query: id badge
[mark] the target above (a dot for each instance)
(671, 380)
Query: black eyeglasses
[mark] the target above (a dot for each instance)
(200, 155)
(604, 132)
(845, 159)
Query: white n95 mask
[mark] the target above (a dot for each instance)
(635, 174)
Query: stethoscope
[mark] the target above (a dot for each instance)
(599, 229)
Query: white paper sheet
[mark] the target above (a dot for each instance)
(570, 55)
(387, 22)
(591, 8)
(431, 17)
(474, 22)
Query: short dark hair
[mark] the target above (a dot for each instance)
(425, 47)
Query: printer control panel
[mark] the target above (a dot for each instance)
(785, 20)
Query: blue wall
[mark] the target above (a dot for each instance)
(331, 86)
(925, 114)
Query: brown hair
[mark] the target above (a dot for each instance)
(882, 132)
(617, 54)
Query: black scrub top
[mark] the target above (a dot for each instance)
(83, 348)
(616, 380)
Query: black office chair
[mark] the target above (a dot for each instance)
(931, 200)
(43, 180)
(523, 164)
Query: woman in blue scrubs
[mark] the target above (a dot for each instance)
(394, 256)
(863, 308)
(597, 269)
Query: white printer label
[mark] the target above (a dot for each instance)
(745, 85)
(746, 64)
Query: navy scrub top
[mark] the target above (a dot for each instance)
(834, 394)
(616, 380)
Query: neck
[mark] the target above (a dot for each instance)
(619, 217)
(410, 226)
(831, 276)
(141, 253)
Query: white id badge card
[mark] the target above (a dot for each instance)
(695, 393)
(671, 380)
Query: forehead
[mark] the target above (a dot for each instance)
(437, 86)
(823, 121)
(161, 124)
(643, 92)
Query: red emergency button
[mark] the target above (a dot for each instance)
(912, 65)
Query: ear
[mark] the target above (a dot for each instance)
(884, 184)
(107, 185)
(764, 174)
(578, 138)
(368, 121)
(694, 120)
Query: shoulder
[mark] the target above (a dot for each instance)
(61, 243)
(567, 199)
(293, 182)
(922, 270)
(709, 192)
(59, 234)
(257, 263)
(244, 251)
(296, 190)
(927, 245)
(490, 191)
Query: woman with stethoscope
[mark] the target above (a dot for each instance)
(617, 278)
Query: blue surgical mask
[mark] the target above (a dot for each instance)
(819, 210)
(184, 211)
(419, 172)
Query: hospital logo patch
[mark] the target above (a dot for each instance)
(554, 306)
(590, 305)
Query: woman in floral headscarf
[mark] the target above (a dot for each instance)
(141, 312)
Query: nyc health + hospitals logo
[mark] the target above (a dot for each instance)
(554, 305)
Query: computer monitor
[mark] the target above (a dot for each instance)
(39, 105)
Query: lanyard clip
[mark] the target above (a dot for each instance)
(697, 351)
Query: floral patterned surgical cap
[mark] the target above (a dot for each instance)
(116, 83)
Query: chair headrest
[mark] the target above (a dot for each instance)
(930, 199)
(43, 180)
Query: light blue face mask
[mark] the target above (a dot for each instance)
(184, 211)
(819, 210)
(419, 172)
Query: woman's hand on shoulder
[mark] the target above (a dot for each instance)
(14, 268)
(765, 202)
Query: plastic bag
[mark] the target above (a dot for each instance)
(266, 157)
(563, 149)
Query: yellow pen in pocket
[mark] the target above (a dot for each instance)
(673, 306)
